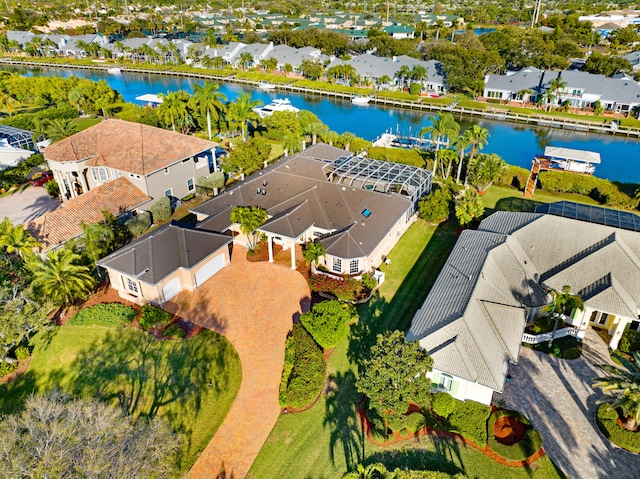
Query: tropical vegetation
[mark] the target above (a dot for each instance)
(328, 322)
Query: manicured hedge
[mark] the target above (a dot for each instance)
(530, 443)
(630, 341)
(104, 314)
(306, 368)
(603, 191)
(396, 155)
(469, 419)
(514, 176)
(407, 423)
(154, 317)
(606, 419)
(436, 207)
(328, 322)
(173, 331)
(137, 225)
(443, 404)
(161, 210)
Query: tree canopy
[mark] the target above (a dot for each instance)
(328, 322)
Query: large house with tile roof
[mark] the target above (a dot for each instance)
(500, 278)
(120, 167)
(156, 161)
(356, 207)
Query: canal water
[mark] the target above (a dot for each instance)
(517, 144)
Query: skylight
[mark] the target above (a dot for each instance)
(366, 213)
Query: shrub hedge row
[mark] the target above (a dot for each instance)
(26, 121)
(154, 317)
(603, 191)
(407, 423)
(328, 322)
(137, 225)
(173, 331)
(606, 419)
(396, 155)
(306, 368)
(104, 314)
(630, 341)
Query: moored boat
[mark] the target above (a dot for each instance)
(266, 86)
(114, 70)
(360, 100)
(278, 104)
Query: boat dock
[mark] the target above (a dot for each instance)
(578, 162)
(390, 140)
(495, 114)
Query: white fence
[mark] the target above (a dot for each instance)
(541, 338)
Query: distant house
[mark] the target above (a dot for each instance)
(398, 31)
(356, 207)
(500, 278)
(633, 58)
(618, 94)
(157, 266)
(156, 161)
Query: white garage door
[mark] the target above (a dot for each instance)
(170, 289)
(209, 269)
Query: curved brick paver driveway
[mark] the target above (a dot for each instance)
(252, 305)
(558, 398)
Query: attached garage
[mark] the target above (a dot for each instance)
(209, 269)
(170, 289)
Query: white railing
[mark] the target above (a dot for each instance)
(541, 338)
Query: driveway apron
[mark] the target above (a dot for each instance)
(556, 395)
(253, 305)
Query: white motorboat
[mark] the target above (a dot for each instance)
(567, 159)
(278, 104)
(360, 100)
(267, 86)
(114, 70)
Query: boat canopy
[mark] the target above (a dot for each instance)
(582, 156)
(149, 98)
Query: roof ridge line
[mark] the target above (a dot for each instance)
(493, 325)
(482, 356)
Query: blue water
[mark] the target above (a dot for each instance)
(516, 144)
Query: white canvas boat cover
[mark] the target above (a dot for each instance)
(573, 155)
(149, 98)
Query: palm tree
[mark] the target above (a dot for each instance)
(462, 143)
(485, 170)
(313, 251)
(246, 59)
(173, 107)
(372, 471)
(60, 278)
(241, 111)
(209, 101)
(249, 219)
(315, 129)
(347, 138)
(16, 240)
(418, 73)
(291, 142)
(556, 85)
(8, 103)
(97, 239)
(624, 387)
(442, 126)
(468, 206)
(76, 97)
(60, 128)
(564, 303)
(402, 74)
(479, 138)
(330, 137)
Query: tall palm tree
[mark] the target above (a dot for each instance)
(173, 107)
(241, 111)
(209, 101)
(418, 73)
(16, 240)
(402, 74)
(330, 137)
(462, 143)
(442, 128)
(249, 219)
(347, 138)
(60, 128)
(479, 137)
(485, 170)
(60, 278)
(315, 129)
(624, 387)
(8, 103)
(555, 86)
(313, 251)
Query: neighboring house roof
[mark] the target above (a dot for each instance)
(63, 224)
(529, 78)
(154, 256)
(473, 318)
(299, 195)
(633, 57)
(127, 146)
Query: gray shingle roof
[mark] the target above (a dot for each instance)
(299, 195)
(156, 255)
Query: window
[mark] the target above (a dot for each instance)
(132, 286)
(190, 185)
(115, 173)
(102, 174)
(445, 382)
(354, 266)
(599, 318)
(337, 265)
(168, 193)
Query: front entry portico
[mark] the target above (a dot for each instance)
(286, 244)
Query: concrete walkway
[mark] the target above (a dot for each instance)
(253, 305)
(27, 205)
(556, 395)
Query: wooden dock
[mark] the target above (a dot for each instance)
(538, 165)
(495, 114)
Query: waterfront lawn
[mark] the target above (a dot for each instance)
(192, 382)
(84, 123)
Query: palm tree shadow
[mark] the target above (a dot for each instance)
(341, 416)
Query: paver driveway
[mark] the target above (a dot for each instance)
(27, 205)
(252, 305)
(558, 398)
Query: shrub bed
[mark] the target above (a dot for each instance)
(104, 314)
(396, 155)
(154, 317)
(630, 341)
(303, 372)
(344, 289)
(606, 418)
(407, 423)
(7, 368)
(328, 322)
(566, 347)
(530, 442)
(443, 404)
(603, 191)
(469, 418)
(173, 331)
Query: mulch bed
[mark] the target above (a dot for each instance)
(22, 367)
(442, 435)
(261, 252)
(508, 430)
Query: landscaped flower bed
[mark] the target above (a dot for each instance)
(345, 289)
(512, 436)
(608, 421)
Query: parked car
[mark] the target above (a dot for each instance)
(41, 178)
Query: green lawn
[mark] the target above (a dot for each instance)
(509, 199)
(191, 382)
(325, 440)
(84, 123)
